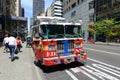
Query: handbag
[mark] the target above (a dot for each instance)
(16, 50)
(20, 46)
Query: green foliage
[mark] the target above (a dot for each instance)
(109, 27)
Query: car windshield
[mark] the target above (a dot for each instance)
(59, 31)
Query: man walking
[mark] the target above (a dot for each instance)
(12, 45)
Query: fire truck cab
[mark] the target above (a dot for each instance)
(56, 41)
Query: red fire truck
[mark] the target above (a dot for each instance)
(56, 41)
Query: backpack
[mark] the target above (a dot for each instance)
(18, 42)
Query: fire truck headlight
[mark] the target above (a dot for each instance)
(77, 45)
(51, 48)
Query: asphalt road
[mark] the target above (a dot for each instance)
(103, 64)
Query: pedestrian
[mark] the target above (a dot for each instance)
(19, 44)
(5, 43)
(28, 43)
(12, 45)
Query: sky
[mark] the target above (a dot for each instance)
(27, 5)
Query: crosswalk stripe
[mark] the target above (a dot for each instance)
(107, 76)
(93, 73)
(71, 75)
(113, 70)
(78, 69)
(99, 70)
(105, 69)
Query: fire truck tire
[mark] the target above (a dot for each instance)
(37, 62)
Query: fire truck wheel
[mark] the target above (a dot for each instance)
(37, 62)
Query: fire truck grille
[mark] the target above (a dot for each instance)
(65, 46)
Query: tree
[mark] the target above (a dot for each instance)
(107, 27)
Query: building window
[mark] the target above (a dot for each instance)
(69, 8)
(78, 1)
(73, 5)
(91, 17)
(73, 14)
(67, 2)
(82, 0)
(91, 5)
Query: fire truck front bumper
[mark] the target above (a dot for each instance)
(62, 60)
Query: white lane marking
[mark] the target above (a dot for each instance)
(113, 70)
(102, 74)
(105, 69)
(71, 75)
(93, 72)
(77, 69)
(97, 66)
(104, 64)
(103, 51)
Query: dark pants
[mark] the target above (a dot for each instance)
(12, 50)
(19, 47)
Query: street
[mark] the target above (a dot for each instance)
(55, 34)
(103, 64)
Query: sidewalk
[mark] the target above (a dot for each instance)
(22, 68)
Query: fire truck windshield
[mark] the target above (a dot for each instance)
(51, 31)
(72, 31)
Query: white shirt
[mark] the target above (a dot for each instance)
(12, 40)
(6, 40)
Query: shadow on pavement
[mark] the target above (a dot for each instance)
(16, 58)
(58, 67)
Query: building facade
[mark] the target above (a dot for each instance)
(70, 4)
(7, 8)
(38, 7)
(107, 9)
(10, 20)
(18, 8)
(80, 10)
(57, 8)
(48, 12)
(11, 7)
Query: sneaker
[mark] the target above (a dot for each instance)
(12, 60)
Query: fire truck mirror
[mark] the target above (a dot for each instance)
(40, 35)
(37, 35)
